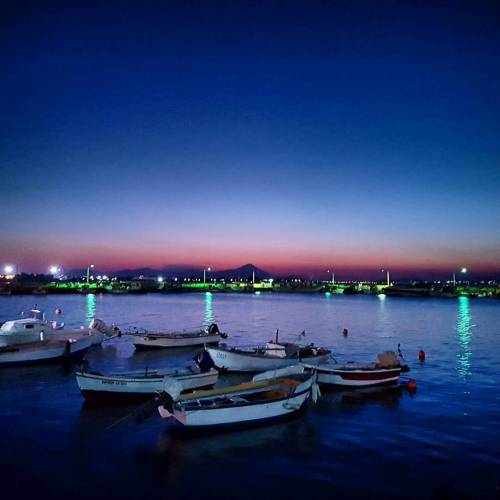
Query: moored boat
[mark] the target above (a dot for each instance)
(140, 384)
(44, 351)
(35, 327)
(248, 404)
(269, 357)
(386, 370)
(142, 339)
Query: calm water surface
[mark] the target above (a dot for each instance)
(442, 442)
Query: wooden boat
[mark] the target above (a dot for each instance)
(269, 357)
(44, 351)
(142, 339)
(141, 384)
(386, 370)
(247, 404)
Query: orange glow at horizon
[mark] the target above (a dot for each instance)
(274, 259)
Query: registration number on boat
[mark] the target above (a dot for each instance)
(113, 382)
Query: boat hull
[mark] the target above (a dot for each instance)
(146, 342)
(94, 386)
(236, 361)
(44, 352)
(258, 413)
(357, 378)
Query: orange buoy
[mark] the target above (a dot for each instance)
(421, 355)
(412, 385)
(345, 332)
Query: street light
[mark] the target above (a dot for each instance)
(388, 276)
(160, 279)
(9, 269)
(88, 273)
(204, 274)
(463, 271)
(333, 276)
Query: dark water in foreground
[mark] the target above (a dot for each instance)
(442, 442)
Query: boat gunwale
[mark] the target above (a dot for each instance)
(171, 335)
(245, 386)
(241, 352)
(146, 378)
(239, 404)
(320, 369)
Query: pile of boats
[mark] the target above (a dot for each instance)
(288, 374)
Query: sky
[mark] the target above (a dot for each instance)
(298, 136)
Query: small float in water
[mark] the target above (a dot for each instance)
(250, 403)
(386, 370)
(143, 339)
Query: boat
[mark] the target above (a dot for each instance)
(244, 404)
(146, 383)
(143, 339)
(385, 371)
(268, 357)
(35, 327)
(44, 351)
(137, 384)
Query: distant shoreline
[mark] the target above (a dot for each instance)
(257, 288)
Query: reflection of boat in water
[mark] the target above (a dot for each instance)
(142, 339)
(248, 403)
(386, 370)
(183, 443)
(386, 395)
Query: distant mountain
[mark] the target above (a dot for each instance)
(123, 273)
(243, 272)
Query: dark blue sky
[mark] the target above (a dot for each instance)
(293, 135)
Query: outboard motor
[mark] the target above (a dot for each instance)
(213, 329)
(102, 327)
(204, 361)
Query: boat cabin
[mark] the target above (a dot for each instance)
(26, 329)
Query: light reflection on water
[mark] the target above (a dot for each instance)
(464, 332)
(209, 313)
(90, 307)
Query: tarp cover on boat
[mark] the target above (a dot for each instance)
(387, 359)
(273, 349)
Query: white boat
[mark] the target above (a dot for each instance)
(35, 327)
(146, 383)
(269, 357)
(244, 404)
(142, 339)
(386, 370)
(44, 351)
